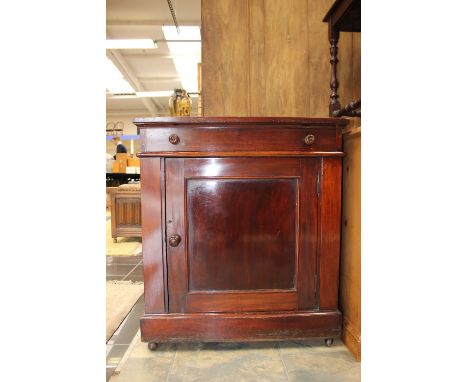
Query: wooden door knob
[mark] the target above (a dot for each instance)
(174, 139)
(309, 139)
(174, 240)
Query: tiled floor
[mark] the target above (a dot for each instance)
(124, 268)
(267, 361)
(261, 361)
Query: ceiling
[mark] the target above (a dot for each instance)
(146, 69)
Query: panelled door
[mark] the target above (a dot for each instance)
(241, 234)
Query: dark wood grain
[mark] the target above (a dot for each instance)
(218, 327)
(307, 259)
(238, 138)
(236, 301)
(149, 123)
(241, 234)
(175, 220)
(154, 262)
(329, 232)
(349, 110)
(345, 15)
(334, 83)
(243, 154)
(240, 221)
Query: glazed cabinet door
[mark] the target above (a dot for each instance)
(241, 234)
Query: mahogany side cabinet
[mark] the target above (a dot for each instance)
(241, 228)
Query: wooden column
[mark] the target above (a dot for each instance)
(333, 37)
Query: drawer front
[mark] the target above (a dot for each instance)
(250, 138)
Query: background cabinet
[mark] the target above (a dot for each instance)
(125, 211)
(241, 228)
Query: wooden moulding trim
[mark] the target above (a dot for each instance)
(254, 121)
(185, 154)
(351, 339)
(220, 327)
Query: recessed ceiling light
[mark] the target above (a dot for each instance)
(144, 43)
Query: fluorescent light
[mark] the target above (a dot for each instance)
(186, 55)
(115, 82)
(143, 43)
(165, 93)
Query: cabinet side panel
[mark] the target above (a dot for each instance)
(329, 248)
(308, 234)
(153, 252)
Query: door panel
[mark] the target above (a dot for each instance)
(235, 239)
(248, 234)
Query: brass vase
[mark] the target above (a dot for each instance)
(180, 103)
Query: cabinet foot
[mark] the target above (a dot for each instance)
(329, 342)
(152, 346)
(115, 240)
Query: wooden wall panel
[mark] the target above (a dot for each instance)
(225, 57)
(350, 275)
(271, 58)
(258, 50)
(319, 58)
(279, 65)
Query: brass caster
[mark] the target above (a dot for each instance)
(329, 342)
(152, 346)
(115, 240)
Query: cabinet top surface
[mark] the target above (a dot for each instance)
(164, 121)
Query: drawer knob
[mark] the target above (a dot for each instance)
(174, 139)
(174, 240)
(309, 139)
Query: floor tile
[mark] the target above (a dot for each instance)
(227, 362)
(135, 277)
(153, 369)
(124, 259)
(314, 361)
(131, 324)
(147, 366)
(116, 354)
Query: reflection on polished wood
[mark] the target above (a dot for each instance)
(250, 241)
(232, 249)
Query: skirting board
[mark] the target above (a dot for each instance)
(225, 327)
(351, 339)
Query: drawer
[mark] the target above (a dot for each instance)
(241, 139)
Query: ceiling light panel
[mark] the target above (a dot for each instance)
(115, 82)
(186, 53)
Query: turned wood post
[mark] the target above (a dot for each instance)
(333, 36)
